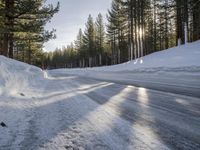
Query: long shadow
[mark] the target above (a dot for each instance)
(49, 120)
(117, 100)
(166, 118)
(71, 91)
(173, 123)
(63, 115)
(112, 98)
(177, 125)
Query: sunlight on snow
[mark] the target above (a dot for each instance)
(143, 95)
(22, 104)
(141, 61)
(107, 121)
(106, 117)
(182, 102)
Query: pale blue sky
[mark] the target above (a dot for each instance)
(73, 15)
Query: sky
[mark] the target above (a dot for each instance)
(72, 16)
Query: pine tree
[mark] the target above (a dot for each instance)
(135, 28)
(79, 48)
(89, 40)
(117, 22)
(129, 9)
(24, 20)
(100, 37)
(195, 17)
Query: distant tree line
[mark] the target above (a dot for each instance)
(22, 31)
(134, 29)
(88, 50)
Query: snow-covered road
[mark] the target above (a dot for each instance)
(163, 79)
(71, 112)
(150, 103)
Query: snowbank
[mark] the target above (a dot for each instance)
(185, 57)
(15, 76)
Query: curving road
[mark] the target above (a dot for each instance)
(74, 112)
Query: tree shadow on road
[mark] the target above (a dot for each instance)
(128, 114)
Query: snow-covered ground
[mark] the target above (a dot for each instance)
(185, 56)
(174, 70)
(103, 108)
(17, 77)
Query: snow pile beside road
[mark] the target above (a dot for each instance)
(16, 77)
(175, 70)
(185, 57)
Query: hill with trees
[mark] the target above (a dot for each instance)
(134, 28)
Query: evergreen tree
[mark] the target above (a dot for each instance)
(135, 28)
(24, 20)
(117, 22)
(100, 37)
(89, 40)
(194, 11)
(79, 48)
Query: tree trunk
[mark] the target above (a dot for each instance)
(136, 29)
(131, 19)
(9, 6)
(100, 60)
(90, 62)
(154, 27)
(5, 45)
(29, 52)
(179, 21)
(11, 45)
(166, 25)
